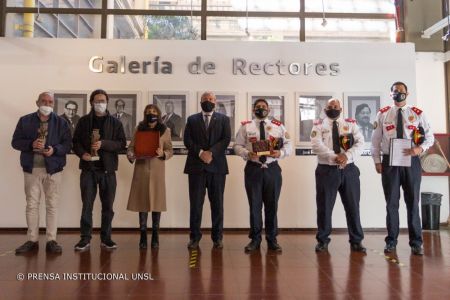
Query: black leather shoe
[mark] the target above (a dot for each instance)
(218, 244)
(27, 247)
(389, 248)
(274, 246)
(82, 245)
(192, 245)
(108, 244)
(417, 250)
(252, 246)
(155, 239)
(358, 247)
(53, 247)
(321, 247)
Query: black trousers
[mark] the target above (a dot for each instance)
(329, 181)
(263, 186)
(106, 182)
(409, 179)
(198, 184)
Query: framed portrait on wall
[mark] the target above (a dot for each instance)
(308, 108)
(124, 106)
(173, 109)
(71, 107)
(276, 104)
(363, 107)
(225, 104)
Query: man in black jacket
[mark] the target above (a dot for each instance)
(43, 140)
(206, 136)
(102, 134)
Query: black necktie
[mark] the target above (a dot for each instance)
(399, 124)
(206, 122)
(336, 147)
(262, 136)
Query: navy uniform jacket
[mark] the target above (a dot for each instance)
(216, 140)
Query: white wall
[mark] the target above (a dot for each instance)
(29, 66)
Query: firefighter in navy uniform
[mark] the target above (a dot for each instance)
(408, 122)
(337, 143)
(262, 173)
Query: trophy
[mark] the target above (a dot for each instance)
(42, 135)
(346, 141)
(266, 147)
(95, 138)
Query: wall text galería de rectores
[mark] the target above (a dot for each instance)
(240, 66)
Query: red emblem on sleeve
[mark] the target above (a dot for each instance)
(350, 120)
(276, 122)
(390, 127)
(385, 109)
(245, 122)
(416, 110)
(317, 122)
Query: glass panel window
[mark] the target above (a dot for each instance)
(53, 26)
(254, 5)
(255, 29)
(351, 6)
(156, 4)
(155, 27)
(350, 30)
(55, 4)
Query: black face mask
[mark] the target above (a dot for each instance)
(398, 96)
(332, 113)
(261, 113)
(207, 106)
(151, 118)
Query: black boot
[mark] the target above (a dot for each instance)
(156, 217)
(143, 229)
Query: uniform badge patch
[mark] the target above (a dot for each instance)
(286, 135)
(411, 118)
(269, 128)
(313, 134)
(375, 125)
(345, 128)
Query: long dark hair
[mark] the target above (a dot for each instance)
(143, 125)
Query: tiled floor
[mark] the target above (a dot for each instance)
(297, 273)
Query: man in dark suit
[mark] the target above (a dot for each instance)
(206, 136)
(173, 121)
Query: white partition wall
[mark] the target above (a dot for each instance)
(30, 66)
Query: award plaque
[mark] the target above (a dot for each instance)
(42, 135)
(95, 138)
(346, 141)
(266, 147)
(145, 144)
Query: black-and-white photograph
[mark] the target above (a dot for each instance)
(225, 104)
(173, 109)
(276, 104)
(71, 107)
(363, 108)
(123, 107)
(310, 108)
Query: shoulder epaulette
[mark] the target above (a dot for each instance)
(385, 109)
(317, 122)
(416, 110)
(350, 120)
(245, 122)
(276, 122)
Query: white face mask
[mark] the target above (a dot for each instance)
(100, 107)
(45, 110)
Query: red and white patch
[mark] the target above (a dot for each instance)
(385, 109)
(411, 127)
(276, 122)
(317, 122)
(245, 122)
(416, 110)
(390, 127)
(350, 120)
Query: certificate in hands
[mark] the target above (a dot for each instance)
(396, 156)
(145, 144)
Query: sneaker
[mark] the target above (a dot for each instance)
(53, 247)
(274, 246)
(321, 247)
(82, 245)
(109, 244)
(417, 250)
(193, 244)
(389, 248)
(218, 244)
(252, 246)
(27, 247)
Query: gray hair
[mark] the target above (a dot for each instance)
(43, 94)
